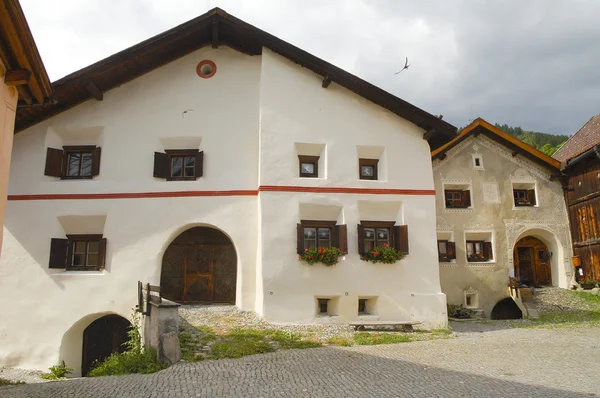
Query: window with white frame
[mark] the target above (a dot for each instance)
(457, 196)
(524, 194)
(479, 246)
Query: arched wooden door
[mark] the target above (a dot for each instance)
(532, 263)
(199, 266)
(103, 337)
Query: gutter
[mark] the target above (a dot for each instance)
(595, 150)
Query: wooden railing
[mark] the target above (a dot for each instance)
(147, 294)
(513, 284)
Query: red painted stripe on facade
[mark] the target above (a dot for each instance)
(367, 191)
(132, 195)
(249, 192)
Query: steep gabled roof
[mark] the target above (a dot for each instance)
(581, 141)
(19, 54)
(480, 126)
(215, 28)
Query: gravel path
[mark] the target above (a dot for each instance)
(502, 363)
(550, 299)
(24, 375)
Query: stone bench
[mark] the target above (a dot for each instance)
(406, 326)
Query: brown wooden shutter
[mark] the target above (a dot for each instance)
(199, 164)
(299, 239)
(102, 254)
(162, 165)
(54, 158)
(361, 239)
(342, 238)
(487, 250)
(466, 198)
(531, 196)
(96, 161)
(401, 238)
(451, 250)
(58, 253)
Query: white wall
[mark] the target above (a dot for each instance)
(254, 108)
(307, 113)
(131, 123)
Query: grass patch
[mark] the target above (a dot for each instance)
(440, 332)
(340, 341)
(239, 343)
(288, 340)
(590, 298)
(57, 372)
(366, 338)
(6, 382)
(138, 361)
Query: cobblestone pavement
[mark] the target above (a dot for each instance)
(486, 363)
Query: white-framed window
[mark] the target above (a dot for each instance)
(479, 247)
(524, 195)
(457, 196)
(477, 161)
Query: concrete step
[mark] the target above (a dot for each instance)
(532, 311)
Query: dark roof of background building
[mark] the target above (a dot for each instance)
(581, 141)
(216, 28)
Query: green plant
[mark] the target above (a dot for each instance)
(239, 343)
(368, 338)
(340, 341)
(385, 254)
(459, 312)
(57, 372)
(588, 281)
(323, 255)
(288, 340)
(135, 359)
(7, 382)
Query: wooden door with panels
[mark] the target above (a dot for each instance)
(200, 266)
(532, 262)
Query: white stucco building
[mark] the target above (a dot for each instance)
(500, 214)
(178, 162)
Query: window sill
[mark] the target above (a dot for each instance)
(521, 207)
(458, 209)
(78, 273)
(481, 263)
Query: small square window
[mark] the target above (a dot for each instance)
(368, 169)
(309, 166)
(179, 164)
(457, 199)
(80, 162)
(317, 234)
(362, 306)
(84, 252)
(323, 304)
(524, 197)
(477, 162)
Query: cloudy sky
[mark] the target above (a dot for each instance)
(528, 63)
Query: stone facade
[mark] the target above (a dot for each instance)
(493, 216)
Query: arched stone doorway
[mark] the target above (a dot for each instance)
(532, 262)
(506, 309)
(103, 337)
(200, 266)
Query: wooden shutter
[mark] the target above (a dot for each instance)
(96, 161)
(361, 239)
(199, 164)
(102, 254)
(58, 253)
(487, 250)
(466, 198)
(451, 250)
(401, 238)
(299, 239)
(162, 165)
(54, 158)
(342, 238)
(531, 196)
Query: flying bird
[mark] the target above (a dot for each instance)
(406, 65)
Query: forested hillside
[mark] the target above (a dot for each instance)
(547, 143)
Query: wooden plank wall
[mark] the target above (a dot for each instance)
(583, 202)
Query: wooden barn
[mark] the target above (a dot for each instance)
(581, 166)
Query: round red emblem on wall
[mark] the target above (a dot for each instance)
(206, 69)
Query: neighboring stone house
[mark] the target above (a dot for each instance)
(23, 83)
(203, 160)
(581, 166)
(500, 213)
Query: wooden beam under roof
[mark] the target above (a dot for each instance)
(326, 81)
(215, 34)
(91, 87)
(428, 134)
(17, 77)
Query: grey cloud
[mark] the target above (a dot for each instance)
(529, 63)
